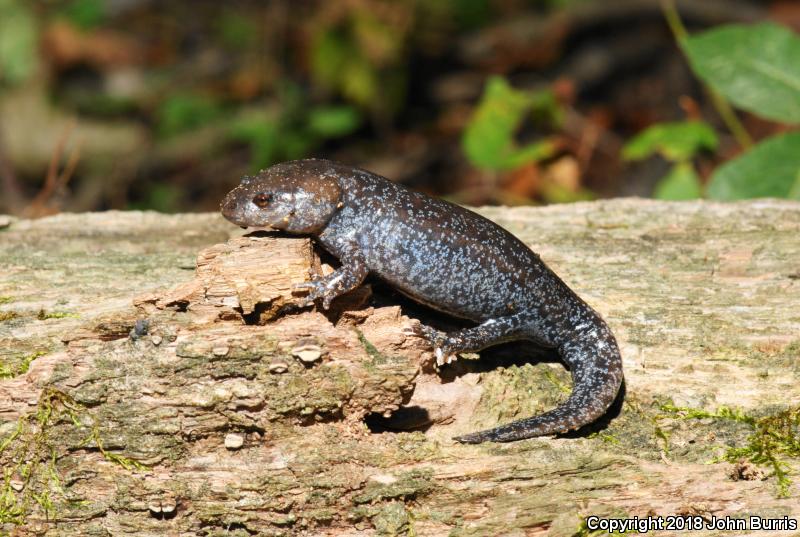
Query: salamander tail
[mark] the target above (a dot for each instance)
(596, 366)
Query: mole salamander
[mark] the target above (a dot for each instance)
(448, 258)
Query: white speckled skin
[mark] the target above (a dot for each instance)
(448, 258)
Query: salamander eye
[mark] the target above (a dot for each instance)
(262, 200)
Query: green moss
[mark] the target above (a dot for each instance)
(773, 439)
(640, 431)
(393, 519)
(21, 366)
(605, 437)
(244, 358)
(410, 447)
(6, 300)
(322, 515)
(29, 460)
(408, 486)
(125, 462)
(372, 351)
(514, 392)
(228, 531)
(558, 383)
(318, 392)
(44, 315)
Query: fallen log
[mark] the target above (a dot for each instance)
(150, 390)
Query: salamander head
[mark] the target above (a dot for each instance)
(297, 197)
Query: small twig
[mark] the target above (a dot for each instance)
(72, 164)
(723, 108)
(51, 180)
(8, 180)
(55, 181)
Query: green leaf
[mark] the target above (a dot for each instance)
(756, 67)
(681, 183)
(86, 13)
(163, 198)
(185, 111)
(337, 63)
(470, 14)
(360, 82)
(770, 169)
(329, 53)
(678, 141)
(333, 121)
(545, 109)
(263, 136)
(18, 41)
(530, 153)
(488, 140)
(237, 30)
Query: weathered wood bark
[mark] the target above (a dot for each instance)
(232, 412)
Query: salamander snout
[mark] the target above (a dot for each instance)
(256, 206)
(230, 208)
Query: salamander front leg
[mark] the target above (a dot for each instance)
(346, 278)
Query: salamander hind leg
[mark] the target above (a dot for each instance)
(447, 345)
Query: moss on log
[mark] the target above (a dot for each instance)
(144, 394)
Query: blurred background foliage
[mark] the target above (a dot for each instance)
(114, 104)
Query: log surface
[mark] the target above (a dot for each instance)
(227, 410)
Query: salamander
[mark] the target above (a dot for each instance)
(445, 257)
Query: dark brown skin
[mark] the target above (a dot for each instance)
(446, 257)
